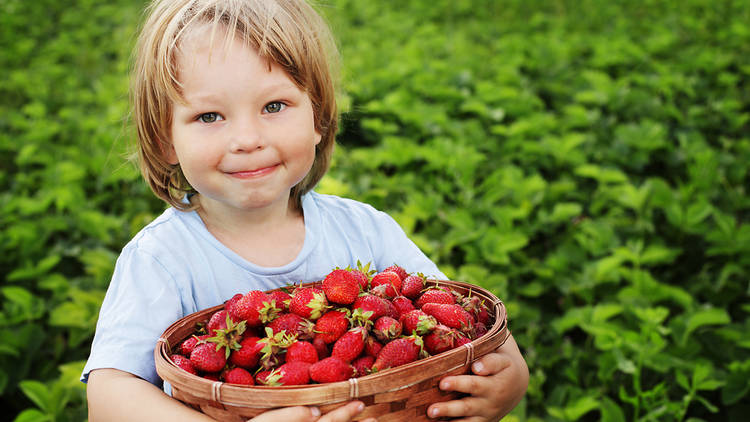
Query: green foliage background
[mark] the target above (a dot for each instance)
(586, 160)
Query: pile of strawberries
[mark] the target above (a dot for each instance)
(354, 323)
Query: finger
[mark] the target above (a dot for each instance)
(467, 407)
(296, 413)
(469, 384)
(491, 364)
(344, 413)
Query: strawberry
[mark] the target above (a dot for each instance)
(479, 330)
(362, 274)
(187, 346)
(273, 345)
(434, 295)
(412, 286)
(340, 286)
(238, 376)
(248, 354)
(321, 347)
(402, 274)
(441, 339)
(363, 365)
(231, 302)
(213, 376)
(217, 321)
(209, 356)
(452, 315)
(301, 351)
(371, 303)
(290, 373)
(476, 306)
(402, 304)
(294, 325)
(282, 298)
(332, 325)
(372, 347)
(386, 329)
(308, 302)
(398, 352)
(255, 307)
(461, 339)
(350, 345)
(184, 363)
(417, 321)
(331, 369)
(390, 279)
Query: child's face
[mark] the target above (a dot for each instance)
(246, 135)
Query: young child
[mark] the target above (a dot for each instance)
(236, 118)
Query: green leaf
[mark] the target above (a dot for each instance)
(32, 415)
(580, 407)
(38, 393)
(610, 411)
(703, 317)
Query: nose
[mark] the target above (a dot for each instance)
(246, 136)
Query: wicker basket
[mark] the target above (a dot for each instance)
(397, 394)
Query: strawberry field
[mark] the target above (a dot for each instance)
(586, 161)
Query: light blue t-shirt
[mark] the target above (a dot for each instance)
(174, 267)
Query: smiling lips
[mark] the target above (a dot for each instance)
(249, 174)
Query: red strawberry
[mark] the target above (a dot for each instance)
(331, 369)
(231, 302)
(386, 329)
(301, 351)
(217, 321)
(290, 373)
(209, 357)
(436, 295)
(184, 363)
(187, 346)
(372, 347)
(390, 279)
(255, 307)
(238, 376)
(350, 345)
(273, 345)
(452, 315)
(282, 299)
(403, 305)
(248, 354)
(308, 302)
(294, 325)
(476, 306)
(332, 325)
(362, 274)
(442, 338)
(363, 365)
(412, 286)
(398, 352)
(417, 321)
(340, 286)
(371, 303)
(321, 347)
(402, 274)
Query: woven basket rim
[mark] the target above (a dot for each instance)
(392, 379)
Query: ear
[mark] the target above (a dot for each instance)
(318, 137)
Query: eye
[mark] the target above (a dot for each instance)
(210, 117)
(274, 107)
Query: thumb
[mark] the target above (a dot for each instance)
(292, 414)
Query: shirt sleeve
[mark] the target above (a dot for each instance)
(141, 302)
(396, 248)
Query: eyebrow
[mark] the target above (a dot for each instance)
(266, 90)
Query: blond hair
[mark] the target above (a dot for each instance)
(286, 32)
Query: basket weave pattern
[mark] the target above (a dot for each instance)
(396, 394)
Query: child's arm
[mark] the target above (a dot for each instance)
(115, 395)
(499, 385)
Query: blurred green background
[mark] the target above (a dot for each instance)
(585, 160)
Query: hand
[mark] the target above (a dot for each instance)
(309, 414)
(499, 385)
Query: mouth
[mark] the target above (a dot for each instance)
(250, 174)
